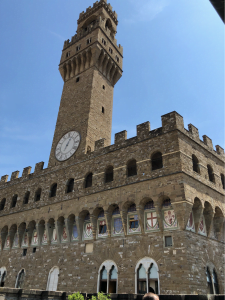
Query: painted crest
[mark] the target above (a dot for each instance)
(35, 238)
(7, 242)
(118, 226)
(64, 234)
(75, 233)
(54, 236)
(134, 225)
(152, 222)
(16, 241)
(202, 229)
(170, 220)
(88, 231)
(190, 224)
(44, 238)
(25, 240)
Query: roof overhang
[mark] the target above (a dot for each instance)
(219, 6)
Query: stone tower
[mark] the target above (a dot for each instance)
(90, 65)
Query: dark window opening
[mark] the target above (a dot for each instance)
(103, 87)
(133, 222)
(78, 48)
(215, 282)
(103, 281)
(157, 161)
(209, 281)
(24, 252)
(3, 278)
(149, 205)
(110, 50)
(102, 228)
(68, 54)
(168, 241)
(103, 42)
(141, 280)
(88, 181)
(26, 198)
(117, 58)
(70, 186)
(109, 174)
(166, 203)
(210, 173)
(222, 180)
(103, 109)
(112, 280)
(88, 41)
(14, 201)
(131, 168)
(2, 204)
(20, 279)
(195, 164)
(37, 195)
(77, 79)
(34, 250)
(53, 190)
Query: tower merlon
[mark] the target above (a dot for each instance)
(194, 131)
(99, 144)
(14, 175)
(120, 137)
(26, 171)
(143, 130)
(208, 141)
(219, 150)
(39, 167)
(4, 178)
(172, 121)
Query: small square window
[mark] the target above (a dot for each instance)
(103, 87)
(103, 42)
(77, 79)
(24, 252)
(117, 58)
(103, 109)
(68, 54)
(78, 47)
(88, 41)
(34, 250)
(168, 241)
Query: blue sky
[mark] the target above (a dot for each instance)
(173, 60)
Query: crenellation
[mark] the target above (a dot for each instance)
(207, 141)
(219, 150)
(4, 178)
(14, 175)
(194, 131)
(39, 167)
(143, 130)
(99, 144)
(120, 137)
(26, 171)
(172, 121)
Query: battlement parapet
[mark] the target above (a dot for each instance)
(96, 6)
(120, 137)
(26, 171)
(143, 130)
(208, 141)
(84, 32)
(4, 178)
(194, 131)
(219, 150)
(39, 167)
(99, 144)
(14, 175)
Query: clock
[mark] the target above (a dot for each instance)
(67, 146)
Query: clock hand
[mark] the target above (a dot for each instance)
(67, 144)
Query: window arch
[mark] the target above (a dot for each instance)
(88, 180)
(109, 174)
(2, 204)
(157, 161)
(53, 190)
(108, 277)
(70, 186)
(102, 227)
(215, 282)
(131, 168)
(26, 198)
(209, 281)
(20, 279)
(14, 201)
(37, 195)
(222, 181)
(2, 276)
(146, 276)
(211, 174)
(53, 279)
(132, 220)
(195, 164)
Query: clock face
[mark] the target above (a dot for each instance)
(67, 146)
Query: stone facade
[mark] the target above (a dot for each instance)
(63, 217)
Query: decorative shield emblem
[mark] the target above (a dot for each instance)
(202, 229)
(190, 224)
(170, 220)
(75, 232)
(118, 226)
(44, 238)
(134, 224)
(25, 240)
(54, 236)
(35, 238)
(152, 222)
(7, 243)
(16, 241)
(64, 234)
(88, 230)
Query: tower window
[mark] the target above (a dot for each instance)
(103, 109)
(34, 250)
(168, 241)
(2, 204)
(211, 174)
(109, 174)
(78, 47)
(110, 50)
(53, 190)
(70, 186)
(222, 180)
(117, 58)
(157, 161)
(14, 200)
(77, 79)
(103, 42)
(88, 41)
(88, 181)
(131, 168)
(68, 54)
(103, 87)
(37, 195)
(195, 164)
(26, 198)
(24, 252)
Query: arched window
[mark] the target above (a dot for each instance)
(2, 204)
(20, 279)
(209, 281)
(222, 180)
(53, 190)
(37, 195)
(157, 161)
(2, 276)
(53, 279)
(108, 277)
(132, 220)
(210, 173)
(146, 276)
(14, 200)
(109, 174)
(70, 186)
(26, 198)
(131, 168)
(215, 282)
(108, 24)
(195, 164)
(88, 180)
(117, 225)
(102, 228)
